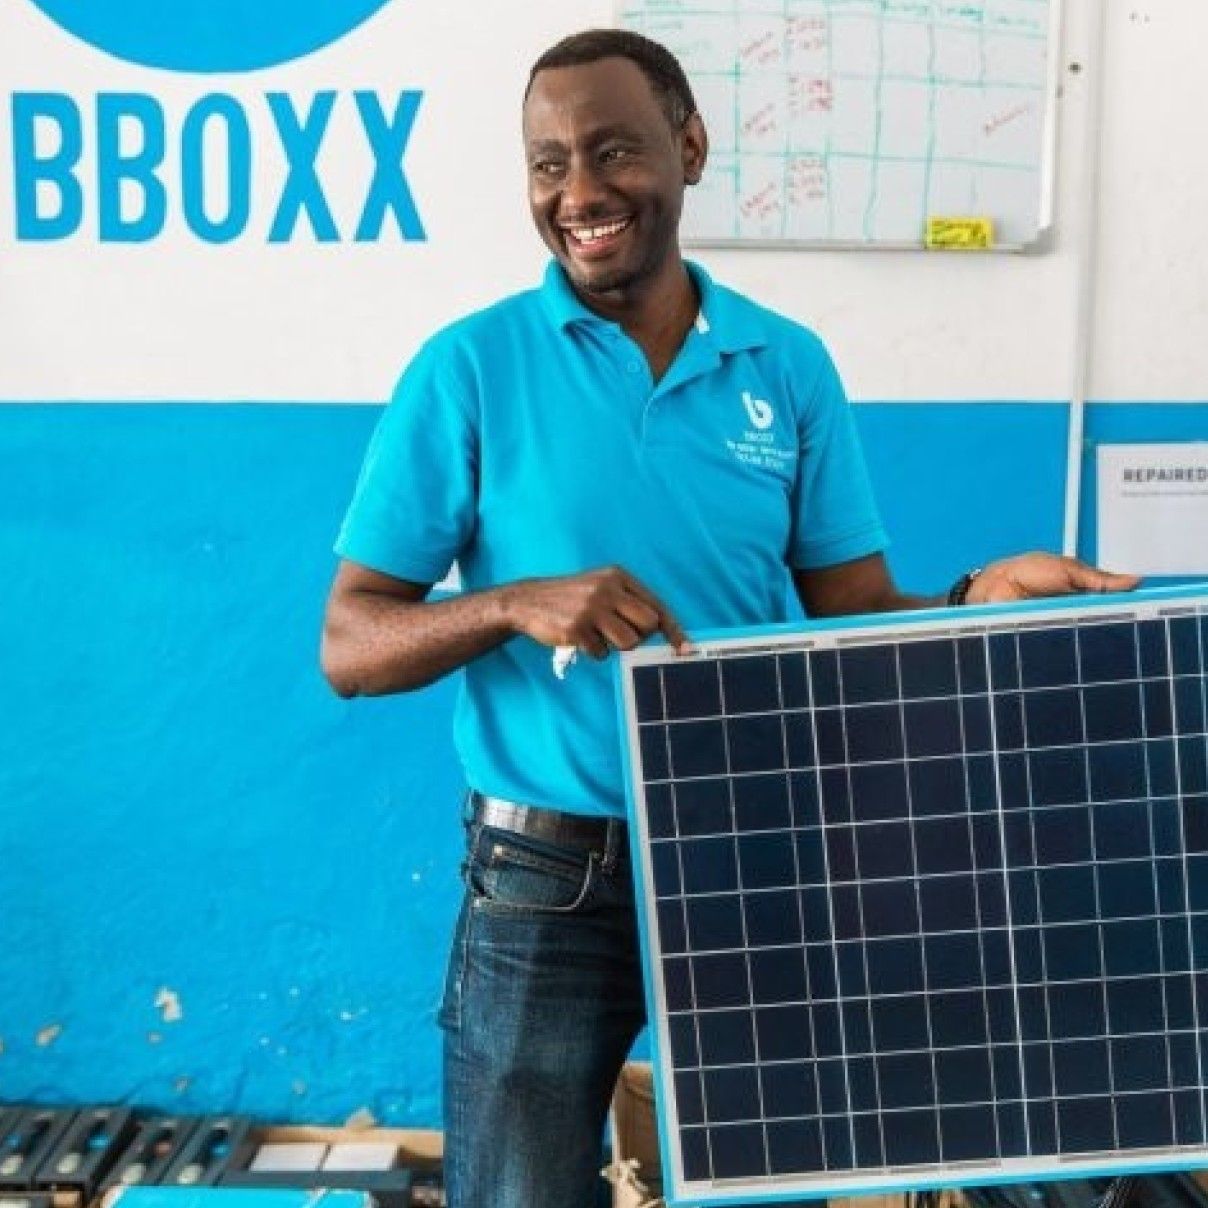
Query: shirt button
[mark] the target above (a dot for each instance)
(632, 366)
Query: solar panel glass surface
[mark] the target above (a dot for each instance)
(926, 901)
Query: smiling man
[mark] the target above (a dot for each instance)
(628, 450)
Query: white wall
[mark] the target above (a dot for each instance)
(1152, 301)
(176, 319)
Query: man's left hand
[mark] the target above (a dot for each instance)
(1038, 574)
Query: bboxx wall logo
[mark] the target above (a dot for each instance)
(209, 35)
(219, 165)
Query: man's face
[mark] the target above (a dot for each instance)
(606, 173)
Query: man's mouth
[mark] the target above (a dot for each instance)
(597, 235)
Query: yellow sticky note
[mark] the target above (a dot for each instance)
(961, 234)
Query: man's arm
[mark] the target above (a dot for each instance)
(382, 634)
(865, 584)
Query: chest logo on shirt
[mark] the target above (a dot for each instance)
(759, 446)
(759, 410)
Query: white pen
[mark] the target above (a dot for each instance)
(563, 657)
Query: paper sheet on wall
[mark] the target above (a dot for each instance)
(1153, 508)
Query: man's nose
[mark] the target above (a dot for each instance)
(582, 190)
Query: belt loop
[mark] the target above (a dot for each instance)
(469, 807)
(473, 821)
(612, 845)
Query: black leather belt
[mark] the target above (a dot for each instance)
(553, 826)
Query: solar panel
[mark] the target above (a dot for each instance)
(924, 900)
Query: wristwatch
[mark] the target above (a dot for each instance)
(960, 589)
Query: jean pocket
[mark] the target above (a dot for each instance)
(511, 874)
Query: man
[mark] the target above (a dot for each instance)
(583, 452)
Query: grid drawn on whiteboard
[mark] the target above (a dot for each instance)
(854, 121)
(928, 904)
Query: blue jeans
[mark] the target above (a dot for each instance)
(543, 999)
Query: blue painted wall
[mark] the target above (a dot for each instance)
(183, 803)
(184, 806)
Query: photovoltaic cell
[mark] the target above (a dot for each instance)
(926, 901)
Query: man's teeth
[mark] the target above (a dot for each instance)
(591, 234)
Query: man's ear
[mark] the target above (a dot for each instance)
(695, 146)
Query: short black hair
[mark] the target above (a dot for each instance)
(656, 62)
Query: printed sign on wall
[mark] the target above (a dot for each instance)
(217, 200)
(1153, 507)
(130, 195)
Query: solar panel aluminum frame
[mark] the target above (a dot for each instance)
(1161, 603)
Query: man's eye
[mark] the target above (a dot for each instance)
(545, 167)
(611, 155)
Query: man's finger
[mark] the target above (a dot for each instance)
(644, 617)
(1092, 578)
(1113, 581)
(619, 633)
(594, 643)
(676, 636)
(668, 626)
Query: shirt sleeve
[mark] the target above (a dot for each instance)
(414, 508)
(835, 517)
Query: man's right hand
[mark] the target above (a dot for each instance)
(381, 634)
(595, 612)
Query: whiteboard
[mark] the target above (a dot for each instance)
(854, 122)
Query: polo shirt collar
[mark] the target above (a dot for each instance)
(729, 320)
(562, 303)
(724, 318)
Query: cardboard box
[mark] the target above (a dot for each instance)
(636, 1168)
(418, 1148)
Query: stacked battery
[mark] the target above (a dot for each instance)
(66, 1158)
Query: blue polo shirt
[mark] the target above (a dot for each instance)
(530, 440)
